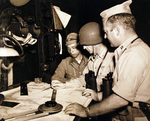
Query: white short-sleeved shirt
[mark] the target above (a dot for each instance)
(106, 66)
(132, 72)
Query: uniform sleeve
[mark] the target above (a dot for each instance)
(60, 72)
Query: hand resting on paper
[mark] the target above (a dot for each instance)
(72, 83)
(92, 94)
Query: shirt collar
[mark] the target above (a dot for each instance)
(102, 52)
(124, 46)
(73, 60)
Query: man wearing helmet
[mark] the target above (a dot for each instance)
(100, 61)
(70, 68)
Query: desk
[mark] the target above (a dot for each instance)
(38, 94)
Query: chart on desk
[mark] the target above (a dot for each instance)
(36, 97)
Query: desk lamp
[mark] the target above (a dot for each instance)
(7, 51)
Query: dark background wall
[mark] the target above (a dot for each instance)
(83, 11)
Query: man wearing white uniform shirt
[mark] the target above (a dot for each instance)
(132, 73)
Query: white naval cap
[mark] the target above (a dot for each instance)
(120, 8)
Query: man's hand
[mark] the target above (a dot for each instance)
(90, 93)
(56, 84)
(74, 83)
(76, 109)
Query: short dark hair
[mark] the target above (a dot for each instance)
(125, 19)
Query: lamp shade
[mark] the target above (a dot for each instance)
(8, 52)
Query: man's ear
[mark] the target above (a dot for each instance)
(116, 31)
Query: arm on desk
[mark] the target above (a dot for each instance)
(76, 109)
(110, 104)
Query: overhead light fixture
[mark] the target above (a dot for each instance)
(19, 3)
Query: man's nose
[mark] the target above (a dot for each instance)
(72, 50)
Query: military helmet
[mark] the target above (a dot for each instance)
(90, 34)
